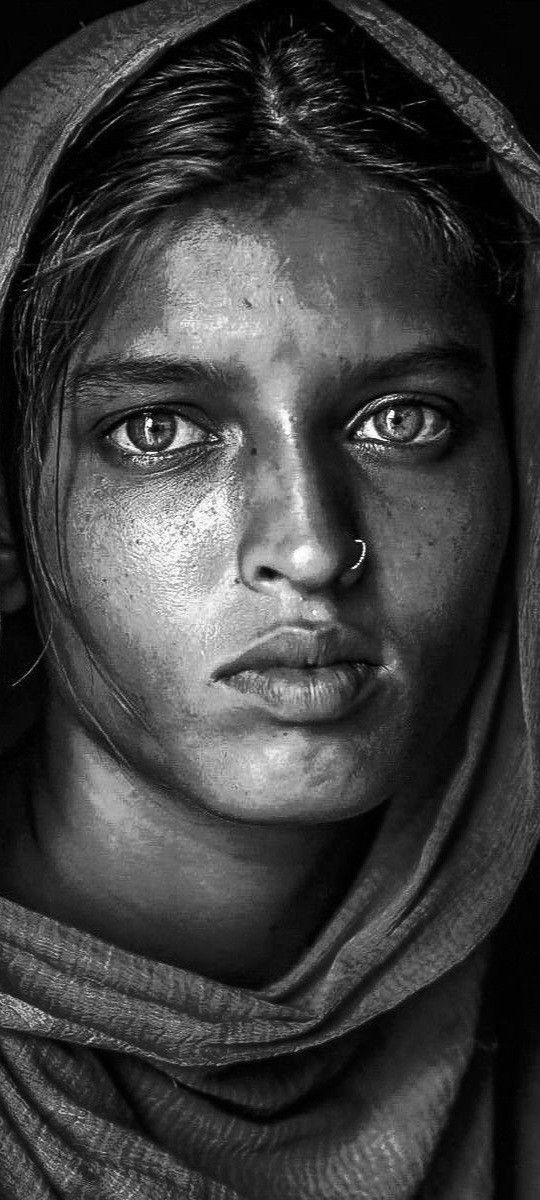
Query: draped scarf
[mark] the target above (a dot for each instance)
(365, 1071)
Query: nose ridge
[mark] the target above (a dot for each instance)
(300, 533)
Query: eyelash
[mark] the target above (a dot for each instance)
(400, 401)
(158, 414)
(405, 402)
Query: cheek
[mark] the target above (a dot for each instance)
(144, 566)
(442, 540)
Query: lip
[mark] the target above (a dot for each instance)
(303, 674)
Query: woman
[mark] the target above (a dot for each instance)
(267, 355)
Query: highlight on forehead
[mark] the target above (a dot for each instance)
(233, 248)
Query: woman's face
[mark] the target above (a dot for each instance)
(277, 372)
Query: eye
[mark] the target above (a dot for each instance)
(402, 423)
(155, 432)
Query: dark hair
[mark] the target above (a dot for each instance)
(256, 95)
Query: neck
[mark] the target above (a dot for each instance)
(157, 875)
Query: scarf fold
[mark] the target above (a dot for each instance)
(366, 1070)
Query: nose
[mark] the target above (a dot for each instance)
(300, 533)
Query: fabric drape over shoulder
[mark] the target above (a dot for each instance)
(365, 1071)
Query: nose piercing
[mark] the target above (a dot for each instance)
(349, 575)
(361, 556)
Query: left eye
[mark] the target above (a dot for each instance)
(403, 424)
(154, 433)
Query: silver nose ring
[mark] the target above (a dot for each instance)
(361, 555)
(350, 575)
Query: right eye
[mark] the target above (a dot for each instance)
(156, 432)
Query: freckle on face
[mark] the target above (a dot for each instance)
(335, 276)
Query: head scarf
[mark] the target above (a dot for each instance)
(365, 1071)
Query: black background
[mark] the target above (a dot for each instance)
(499, 41)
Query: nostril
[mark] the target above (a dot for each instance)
(267, 574)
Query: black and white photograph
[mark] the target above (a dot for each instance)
(269, 600)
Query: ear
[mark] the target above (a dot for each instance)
(13, 589)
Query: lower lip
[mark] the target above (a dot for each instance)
(306, 694)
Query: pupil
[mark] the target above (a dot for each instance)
(404, 423)
(151, 432)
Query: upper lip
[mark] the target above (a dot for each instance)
(299, 646)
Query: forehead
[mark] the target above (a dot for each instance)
(332, 262)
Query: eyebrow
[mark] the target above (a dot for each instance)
(152, 371)
(450, 356)
(159, 371)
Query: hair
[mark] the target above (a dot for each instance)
(258, 95)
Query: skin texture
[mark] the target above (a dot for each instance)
(223, 838)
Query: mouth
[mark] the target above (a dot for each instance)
(303, 674)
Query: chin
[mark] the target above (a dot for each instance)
(292, 784)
